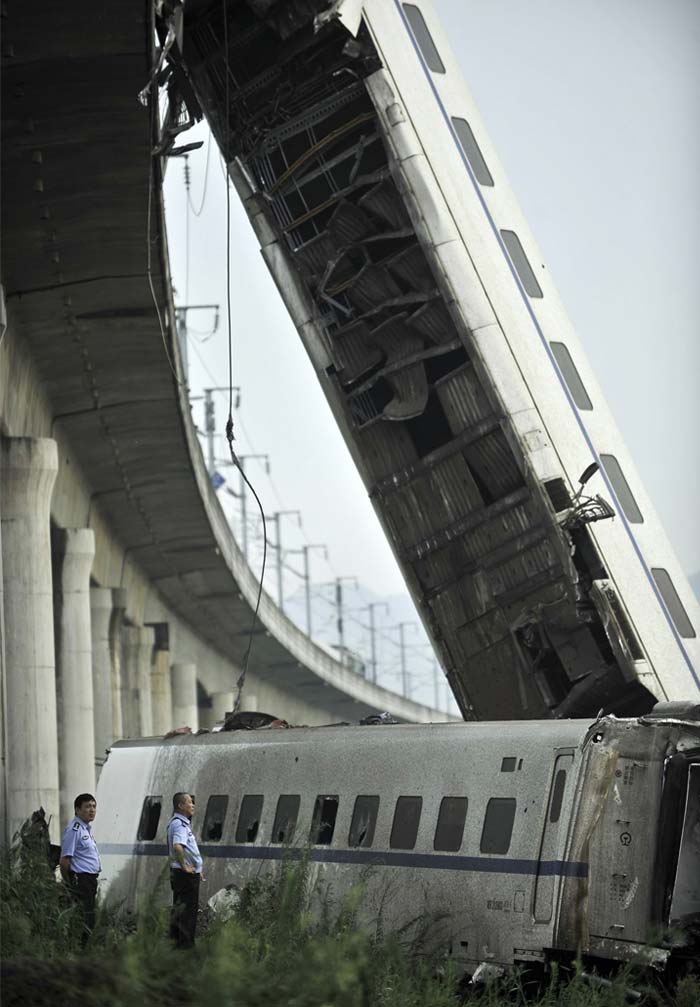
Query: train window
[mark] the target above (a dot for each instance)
(571, 375)
(364, 819)
(213, 827)
(521, 263)
(622, 489)
(557, 795)
(423, 38)
(673, 603)
(450, 825)
(508, 764)
(498, 825)
(472, 152)
(249, 818)
(285, 818)
(405, 827)
(323, 821)
(150, 816)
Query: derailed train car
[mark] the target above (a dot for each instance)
(513, 842)
(437, 335)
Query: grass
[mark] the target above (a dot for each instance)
(272, 952)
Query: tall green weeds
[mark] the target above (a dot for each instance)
(272, 952)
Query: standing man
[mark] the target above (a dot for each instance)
(185, 872)
(80, 860)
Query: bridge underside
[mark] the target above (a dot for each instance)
(82, 222)
(506, 592)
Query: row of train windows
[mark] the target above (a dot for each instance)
(496, 831)
(561, 354)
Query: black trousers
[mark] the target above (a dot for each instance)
(84, 889)
(183, 916)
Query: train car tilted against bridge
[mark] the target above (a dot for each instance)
(437, 335)
(512, 842)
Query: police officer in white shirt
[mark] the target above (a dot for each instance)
(80, 859)
(185, 871)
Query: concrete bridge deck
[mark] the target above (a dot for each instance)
(83, 365)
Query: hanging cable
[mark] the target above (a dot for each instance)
(198, 212)
(229, 422)
(186, 167)
(152, 97)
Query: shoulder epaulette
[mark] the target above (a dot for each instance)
(76, 826)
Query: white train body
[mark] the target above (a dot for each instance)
(511, 841)
(453, 372)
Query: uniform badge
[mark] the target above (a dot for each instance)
(76, 827)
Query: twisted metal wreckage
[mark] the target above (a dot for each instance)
(521, 605)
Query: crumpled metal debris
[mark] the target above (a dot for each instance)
(224, 903)
(178, 730)
(378, 718)
(487, 972)
(250, 720)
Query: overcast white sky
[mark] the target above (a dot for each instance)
(593, 108)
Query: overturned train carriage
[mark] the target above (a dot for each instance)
(387, 223)
(509, 842)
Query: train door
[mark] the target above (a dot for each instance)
(548, 875)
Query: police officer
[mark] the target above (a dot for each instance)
(80, 860)
(185, 871)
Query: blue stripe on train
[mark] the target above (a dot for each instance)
(370, 858)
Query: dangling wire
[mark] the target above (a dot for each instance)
(206, 179)
(186, 166)
(152, 96)
(229, 422)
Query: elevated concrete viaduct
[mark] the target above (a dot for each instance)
(126, 603)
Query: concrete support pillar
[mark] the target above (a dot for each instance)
(116, 654)
(161, 692)
(28, 469)
(136, 692)
(100, 619)
(183, 678)
(221, 704)
(73, 553)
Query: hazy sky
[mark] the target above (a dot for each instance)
(593, 108)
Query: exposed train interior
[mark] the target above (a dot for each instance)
(503, 568)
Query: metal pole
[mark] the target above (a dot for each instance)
(182, 339)
(280, 565)
(307, 583)
(278, 540)
(373, 634)
(339, 616)
(404, 675)
(244, 519)
(209, 427)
